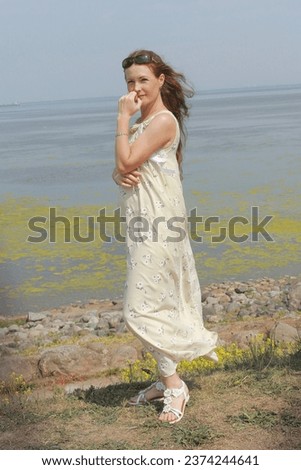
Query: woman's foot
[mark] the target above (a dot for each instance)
(175, 400)
(151, 393)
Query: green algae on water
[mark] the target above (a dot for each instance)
(35, 269)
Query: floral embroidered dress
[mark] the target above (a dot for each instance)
(162, 298)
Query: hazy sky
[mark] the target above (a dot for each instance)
(56, 49)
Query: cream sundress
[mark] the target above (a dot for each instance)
(162, 298)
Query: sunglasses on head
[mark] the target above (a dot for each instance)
(138, 59)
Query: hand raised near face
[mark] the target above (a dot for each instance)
(129, 104)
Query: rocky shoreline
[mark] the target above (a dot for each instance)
(72, 344)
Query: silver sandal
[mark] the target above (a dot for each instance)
(171, 393)
(142, 400)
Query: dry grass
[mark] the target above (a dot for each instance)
(240, 410)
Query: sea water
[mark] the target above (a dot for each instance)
(243, 151)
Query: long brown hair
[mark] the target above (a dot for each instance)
(174, 92)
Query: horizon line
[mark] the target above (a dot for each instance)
(197, 92)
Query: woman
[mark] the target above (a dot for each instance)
(162, 301)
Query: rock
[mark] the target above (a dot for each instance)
(208, 311)
(35, 334)
(89, 316)
(224, 299)
(211, 300)
(98, 347)
(275, 293)
(71, 360)
(256, 302)
(19, 366)
(13, 328)
(205, 294)
(233, 307)
(243, 338)
(219, 309)
(253, 309)
(83, 361)
(21, 336)
(214, 319)
(37, 316)
(102, 325)
(57, 324)
(3, 332)
(283, 332)
(295, 295)
(85, 319)
(243, 312)
(241, 298)
(114, 322)
(84, 332)
(122, 328)
(93, 323)
(102, 333)
(241, 289)
(113, 314)
(124, 355)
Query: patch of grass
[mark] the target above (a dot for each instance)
(14, 396)
(193, 435)
(15, 385)
(262, 418)
(272, 382)
(58, 339)
(265, 419)
(227, 406)
(116, 445)
(17, 410)
(98, 418)
(294, 361)
(5, 323)
(289, 419)
(280, 381)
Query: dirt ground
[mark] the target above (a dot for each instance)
(242, 410)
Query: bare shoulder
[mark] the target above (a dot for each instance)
(163, 120)
(165, 116)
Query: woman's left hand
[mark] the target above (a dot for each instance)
(127, 180)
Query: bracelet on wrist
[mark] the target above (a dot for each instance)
(119, 134)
